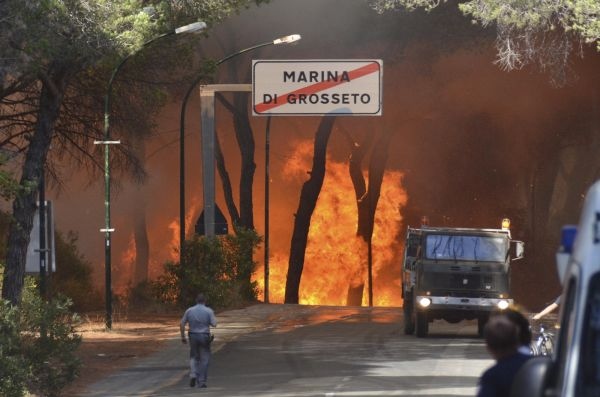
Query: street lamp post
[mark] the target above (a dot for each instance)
(267, 179)
(282, 40)
(107, 230)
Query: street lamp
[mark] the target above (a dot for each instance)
(282, 40)
(107, 230)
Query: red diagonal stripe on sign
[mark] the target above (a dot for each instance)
(317, 87)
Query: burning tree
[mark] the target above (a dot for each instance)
(366, 201)
(308, 201)
(332, 237)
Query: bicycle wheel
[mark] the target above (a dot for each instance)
(548, 345)
(534, 348)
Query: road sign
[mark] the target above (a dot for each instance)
(317, 87)
(32, 260)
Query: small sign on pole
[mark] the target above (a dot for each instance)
(32, 262)
(317, 87)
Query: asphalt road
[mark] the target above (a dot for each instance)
(291, 350)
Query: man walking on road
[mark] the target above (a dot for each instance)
(200, 318)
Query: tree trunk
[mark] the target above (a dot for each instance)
(140, 228)
(308, 200)
(357, 154)
(366, 200)
(24, 205)
(226, 183)
(142, 245)
(221, 167)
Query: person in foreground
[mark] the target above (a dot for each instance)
(502, 341)
(200, 318)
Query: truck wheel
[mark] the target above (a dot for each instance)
(409, 319)
(481, 321)
(422, 326)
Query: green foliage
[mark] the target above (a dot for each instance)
(85, 32)
(239, 251)
(585, 19)
(9, 187)
(382, 6)
(528, 32)
(220, 267)
(516, 13)
(37, 346)
(14, 370)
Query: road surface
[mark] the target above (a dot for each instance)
(292, 350)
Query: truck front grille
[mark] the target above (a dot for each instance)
(462, 283)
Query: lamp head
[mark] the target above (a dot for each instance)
(191, 28)
(287, 39)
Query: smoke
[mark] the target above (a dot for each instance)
(467, 136)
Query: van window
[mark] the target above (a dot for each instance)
(588, 382)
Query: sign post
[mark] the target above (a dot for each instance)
(317, 87)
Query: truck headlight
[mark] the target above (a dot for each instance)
(503, 305)
(424, 302)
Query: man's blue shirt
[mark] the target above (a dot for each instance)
(497, 380)
(199, 318)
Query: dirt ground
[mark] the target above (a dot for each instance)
(131, 338)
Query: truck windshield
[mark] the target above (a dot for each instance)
(466, 248)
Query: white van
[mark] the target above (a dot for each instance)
(574, 369)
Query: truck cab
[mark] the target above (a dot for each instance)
(574, 369)
(455, 274)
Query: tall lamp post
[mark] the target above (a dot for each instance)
(282, 40)
(107, 230)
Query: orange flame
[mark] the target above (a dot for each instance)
(335, 257)
(174, 228)
(124, 268)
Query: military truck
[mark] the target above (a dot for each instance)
(456, 274)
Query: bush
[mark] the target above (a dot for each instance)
(141, 298)
(37, 346)
(220, 267)
(14, 370)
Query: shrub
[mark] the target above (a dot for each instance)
(37, 346)
(220, 267)
(14, 369)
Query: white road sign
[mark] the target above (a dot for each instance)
(317, 87)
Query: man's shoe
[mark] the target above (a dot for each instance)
(192, 382)
(203, 386)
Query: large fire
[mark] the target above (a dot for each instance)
(335, 257)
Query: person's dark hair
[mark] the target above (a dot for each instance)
(200, 298)
(501, 334)
(522, 323)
